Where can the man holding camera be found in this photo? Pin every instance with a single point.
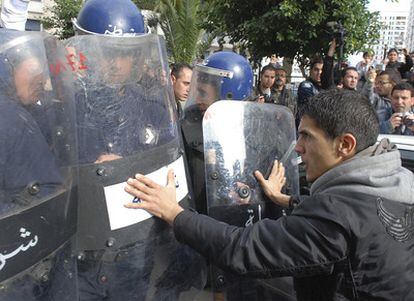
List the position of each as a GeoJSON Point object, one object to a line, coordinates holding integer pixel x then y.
{"type": "Point", "coordinates": [400, 118]}
{"type": "Point", "coordinates": [264, 89]}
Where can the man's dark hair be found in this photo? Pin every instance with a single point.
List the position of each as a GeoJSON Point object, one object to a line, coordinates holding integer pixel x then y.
{"type": "Point", "coordinates": [392, 50]}
{"type": "Point", "coordinates": [178, 67]}
{"type": "Point", "coordinates": [344, 71]}
{"type": "Point", "coordinates": [268, 67]}
{"type": "Point", "coordinates": [367, 54]}
{"type": "Point", "coordinates": [280, 69]}
{"type": "Point", "coordinates": [338, 112]}
{"type": "Point", "coordinates": [403, 86]}
{"type": "Point", "coordinates": [393, 75]}
{"type": "Point", "coordinates": [314, 61]}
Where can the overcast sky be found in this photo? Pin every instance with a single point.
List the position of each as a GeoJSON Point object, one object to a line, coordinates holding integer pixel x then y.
{"type": "Point", "coordinates": [378, 5]}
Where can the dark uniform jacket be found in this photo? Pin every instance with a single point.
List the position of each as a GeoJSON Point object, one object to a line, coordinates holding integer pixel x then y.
{"type": "Point", "coordinates": [352, 239]}
{"type": "Point", "coordinates": [192, 129]}
{"type": "Point", "coordinates": [403, 68]}
{"type": "Point", "coordinates": [306, 90]}
{"type": "Point", "coordinates": [284, 98]}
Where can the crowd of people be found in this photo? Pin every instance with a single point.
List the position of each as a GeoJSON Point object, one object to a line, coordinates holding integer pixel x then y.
{"type": "Point", "coordinates": [376, 82]}
{"type": "Point", "coordinates": [92, 126]}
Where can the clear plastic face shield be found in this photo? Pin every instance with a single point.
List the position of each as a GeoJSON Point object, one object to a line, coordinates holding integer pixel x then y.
{"type": "Point", "coordinates": [126, 124]}
{"type": "Point", "coordinates": [26, 70]}
{"type": "Point", "coordinates": [38, 153]}
{"type": "Point", "coordinates": [30, 88]}
{"type": "Point", "coordinates": [124, 102]}
{"type": "Point", "coordinates": [205, 88]}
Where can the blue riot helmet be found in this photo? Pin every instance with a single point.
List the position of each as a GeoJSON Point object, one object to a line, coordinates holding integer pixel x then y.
{"type": "Point", "coordinates": [237, 74]}
{"type": "Point", "coordinates": [222, 76]}
{"type": "Point", "coordinates": [110, 17]}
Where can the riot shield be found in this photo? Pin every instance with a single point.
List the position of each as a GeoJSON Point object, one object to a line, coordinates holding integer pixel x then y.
{"type": "Point", "coordinates": [205, 89]}
{"type": "Point", "coordinates": [240, 138]}
{"type": "Point", "coordinates": [37, 155]}
{"type": "Point", "coordinates": [126, 124]}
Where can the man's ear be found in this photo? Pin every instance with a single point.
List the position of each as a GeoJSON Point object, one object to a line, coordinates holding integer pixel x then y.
{"type": "Point", "coordinates": [173, 78]}
{"type": "Point", "coordinates": [346, 146]}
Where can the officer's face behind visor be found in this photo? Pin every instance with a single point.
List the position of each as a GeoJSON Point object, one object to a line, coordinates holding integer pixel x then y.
{"type": "Point", "coordinates": [29, 80]}
{"type": "Point", "coordinates": [119, 62]}
{"type": "Point", "coordinates": [118, 70]}
{"type": "Point", "coordinates": [207, 90]}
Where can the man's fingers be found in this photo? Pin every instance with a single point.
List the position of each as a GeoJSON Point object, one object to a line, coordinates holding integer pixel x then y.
{"type": "Point", "coordinates": [134, 205]}
{"type": "Point", "coordinates": [259, 177]}
{"type": "Point", "coordinates": [143, 205]}
{"type": "Point", "coordinates": [147, 181]}
{"type": "Point", "coordinates": [137, 185]}
{"type": "Point", "coordinates": [281, 170]}
{"type": "Point", "coordinates": [275, 168]}
{"type": "Point", "coordinates": [170, 178]}
{"type": "Point", "coordinates": [139, 195]}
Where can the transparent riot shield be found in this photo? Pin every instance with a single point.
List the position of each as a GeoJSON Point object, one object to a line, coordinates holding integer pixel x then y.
{"type": "Point", "coordinates": [205, 89]}
{"type": "Point", "coordinates": [37, 174]}
{"type": "Point", "coordinates": [126, 124]}
{"type": "Point", "coordinates": [240, 138]}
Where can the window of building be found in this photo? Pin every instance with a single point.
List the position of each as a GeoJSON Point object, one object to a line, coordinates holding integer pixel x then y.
{"type": "Point", "coordinates": [33, 25]}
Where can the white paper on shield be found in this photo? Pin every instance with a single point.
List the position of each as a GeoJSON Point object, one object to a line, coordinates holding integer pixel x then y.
{"type": "Point", "coordinates": [116, 197]}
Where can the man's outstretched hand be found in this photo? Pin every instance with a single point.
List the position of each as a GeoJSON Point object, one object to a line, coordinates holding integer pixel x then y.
{"type": "Point", "coordinates": [156, 199]}
{"type": "Point", "coordinates": [273, 185]}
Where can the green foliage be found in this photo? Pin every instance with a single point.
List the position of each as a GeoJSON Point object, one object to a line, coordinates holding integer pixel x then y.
{"type": "Point", "coordinates": [146, 4]}
{"type": "Point", "coordinates": [179, 19]}
{"type": "Point", "coordinates": [292, 28]}
{"type": "Point", "coordinates": [61, 14]}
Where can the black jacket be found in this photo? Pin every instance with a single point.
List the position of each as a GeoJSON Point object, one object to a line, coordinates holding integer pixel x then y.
{"type": "Point", "coordinates": [401, 67]}
{"type": "Point", "coordinates": [338, 246]}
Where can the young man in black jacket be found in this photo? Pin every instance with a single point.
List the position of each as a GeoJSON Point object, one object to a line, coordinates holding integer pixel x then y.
{"type": "Point", "coordinates": [351, 239]}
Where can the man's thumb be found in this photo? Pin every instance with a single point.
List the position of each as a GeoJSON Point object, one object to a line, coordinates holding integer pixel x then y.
{"type": "Point", "coordinates": [171, 178]}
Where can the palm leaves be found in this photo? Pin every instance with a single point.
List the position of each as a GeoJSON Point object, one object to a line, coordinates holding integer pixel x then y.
{"type": "Point", "coordinates": [179, 19]}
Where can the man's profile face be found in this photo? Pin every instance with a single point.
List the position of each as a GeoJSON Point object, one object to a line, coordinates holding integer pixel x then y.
{"type": "Point", "coordinates": [206, 95]}
{"type": "Point", "coordinates": [315, 72]}
{"type": "Point", "coordinates": [393, 57]}
{"type": "Point", "coordinates": [402, 101]}
{"type": "Point", "coordinates": [318, 152]}
{"type": "Point", "coordinates": [267, 79]}
{"type": "Point", "coordinates": [181, 84]}
{"type": "Point", "coordinates": [383, 85]}
{"type": "Point", "coordinates": [350, 80]}
{"type": "Point", "coordinates": [29, 81]}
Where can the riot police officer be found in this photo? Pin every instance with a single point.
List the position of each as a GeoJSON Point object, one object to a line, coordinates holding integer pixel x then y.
{"type": "Point", "coordinates": [126, 124]}
{"type": "Point", "coordinates": [223, 75]}
{"type": "Point", "coordinates": [37, 204]}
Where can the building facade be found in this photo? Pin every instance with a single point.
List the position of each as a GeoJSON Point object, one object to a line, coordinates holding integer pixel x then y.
{"type": "Point", "coordinates": [393, 33]}
{"type": "Point", "coordinates": [410, 29]}
{"type": "Point", "coordinates": [37, 10]}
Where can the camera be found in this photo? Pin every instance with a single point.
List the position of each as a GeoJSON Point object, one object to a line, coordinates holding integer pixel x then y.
{"type": "Point", "coordinates": [407, 121]}
{"type": "Point", "coordinates": [337, 31]}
